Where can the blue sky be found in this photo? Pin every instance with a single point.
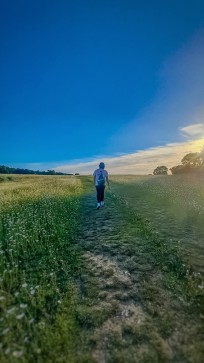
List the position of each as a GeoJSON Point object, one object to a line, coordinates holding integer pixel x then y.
{"type": "Point", "coordinates": [84, 79]}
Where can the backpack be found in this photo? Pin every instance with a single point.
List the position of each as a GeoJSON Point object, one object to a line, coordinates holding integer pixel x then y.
{"type": "Point", "coordinates": [101, 179]}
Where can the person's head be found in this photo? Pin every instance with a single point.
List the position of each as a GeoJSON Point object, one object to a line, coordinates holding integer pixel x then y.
{"type": "Point", "coordinates": [102, 165]}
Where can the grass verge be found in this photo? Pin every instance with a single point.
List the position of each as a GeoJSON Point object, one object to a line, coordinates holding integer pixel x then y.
{"type": "Point", "coordinates": [179, 276]}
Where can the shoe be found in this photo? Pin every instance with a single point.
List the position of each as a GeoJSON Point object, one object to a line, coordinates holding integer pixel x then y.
{"type": "Point", "coordinates": [102, 204]}
{"type": "Point", "coordinates": [98, 206]}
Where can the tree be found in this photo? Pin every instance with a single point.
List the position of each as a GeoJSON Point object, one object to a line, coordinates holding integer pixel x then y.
{"type": "Point", "coordinates": [4, 169]}
{"type": "Point", "coordinates": [7, 170]}
{"type": "Point", "coordinates": [161, 170]}
{"type": "Point", "coordinates": [192, 159]}
{"type": "Point", "coordinates": [51, 172]}
{"type": "Point", "coordinates": [180, 169]}
{"type": "Point", "coordinates": [202, 155]}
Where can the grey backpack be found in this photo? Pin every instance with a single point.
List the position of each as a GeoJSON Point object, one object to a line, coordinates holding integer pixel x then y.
{"type": "Point", "coordinates": [101, 179]}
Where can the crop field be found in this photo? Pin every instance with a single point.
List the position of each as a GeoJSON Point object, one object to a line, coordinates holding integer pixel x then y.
{"type": "Point", "coordinates": [123, 284]}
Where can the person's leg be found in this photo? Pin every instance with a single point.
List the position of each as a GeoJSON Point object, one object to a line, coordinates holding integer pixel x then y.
{"type": "Point", "coordinates": [102, 193]}
{"type": "Point", "coordinates": [98, 194]}
{"type": "Point", "coordinates": [98, 197]}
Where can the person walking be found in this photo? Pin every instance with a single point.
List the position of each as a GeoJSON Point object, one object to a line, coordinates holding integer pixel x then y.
{"type": "Point", "coordinates": [100, 178]}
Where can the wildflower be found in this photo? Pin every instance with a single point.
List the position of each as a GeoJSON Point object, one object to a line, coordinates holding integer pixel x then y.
{"type": "Point", "coordinates": [41, 324]}
{"type": "Point", "coordinates": [31, 321]}
{"type": "Point", "coordinates": [23, 306]}
{"type": "Point", "coordinates": [17, 353]}
{"type": "Point", "coordinates": [20, 316]}
{"type": "Point", "coordinates": [7, 351]}
{"type": "Point", "coordinates": [2, 298]}
{"type": "Point", "coordinates": [5, 331]}
{"type": "Point", "coordinates": [25, 285]}
{"type": "Point", "coordinates": [11, 310]}
{"type": "Point", "coordinates": [16, 293]}
{"type": "Point", "coordinates": [32, 292]}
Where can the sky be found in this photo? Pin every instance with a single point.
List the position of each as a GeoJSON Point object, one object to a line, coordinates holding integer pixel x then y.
{"type": "Point", "coordinates": [89, 81]}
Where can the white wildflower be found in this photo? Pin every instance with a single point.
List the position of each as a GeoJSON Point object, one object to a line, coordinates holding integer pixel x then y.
{"type": "Point", "coordinates": [25, 285]}
{"type": "Point", "coordinates": [41, 324]}
{"type": "Point", "coordinates": [23, 306]}
{"type": "Point", "coordinates": [20, 316]}
{"type": "Point", "coordinates": [5, 331]}
{"type": "Point", "coordinates": [17, 353]}
{"type": "Point", "coordinates": [11, 310]}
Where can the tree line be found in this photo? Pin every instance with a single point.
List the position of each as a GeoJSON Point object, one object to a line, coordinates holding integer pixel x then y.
{"type": "Point", "coordinates": [7, 170]}
{"type": "Point", "coordinates": [190, 163]}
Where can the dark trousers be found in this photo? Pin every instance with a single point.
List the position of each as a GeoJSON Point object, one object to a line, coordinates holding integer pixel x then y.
{"type": "Point", "coordinates": [100, 193]}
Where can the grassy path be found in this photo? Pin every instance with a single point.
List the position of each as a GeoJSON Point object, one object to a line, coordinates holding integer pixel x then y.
{"type": "Point", "coordinates": [133, 308]}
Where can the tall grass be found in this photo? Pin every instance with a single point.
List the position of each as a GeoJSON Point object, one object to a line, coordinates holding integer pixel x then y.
{"type": "Point", "coordinates": [38, 264]}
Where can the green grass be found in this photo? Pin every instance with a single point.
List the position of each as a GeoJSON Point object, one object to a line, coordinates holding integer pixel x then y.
{"type": "Point", "coordinates": [64, 270]}
{"type": "Point", "coordinates": [172, 292]}
{"type": "Point", "coordinates": [40, 263]}
{"type": "Point", "coordinates": [173, 205]}
{"type": "Point", "coordinates": [166, 193]}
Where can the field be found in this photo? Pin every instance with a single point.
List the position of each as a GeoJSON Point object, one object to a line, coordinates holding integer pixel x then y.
{"type": "Point", "coordinates": [175, 207]}
{"type": "Point", "coordinates": [122, 284]}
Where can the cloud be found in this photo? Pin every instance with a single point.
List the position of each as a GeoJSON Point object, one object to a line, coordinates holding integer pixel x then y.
{"type": "Point", "coordinates": [196, 130]}
{"type": "Point", "coordinates": [139, 162]}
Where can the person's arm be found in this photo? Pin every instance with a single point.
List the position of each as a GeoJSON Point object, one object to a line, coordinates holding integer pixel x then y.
{"type": "Point", "coordinates": [107, 179]}
{"type": "Point", "coordinates": [94, 178]}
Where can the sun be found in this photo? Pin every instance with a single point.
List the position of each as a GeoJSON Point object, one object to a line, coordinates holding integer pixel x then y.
{"type": "Point", "coordinates": [197, 145]}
